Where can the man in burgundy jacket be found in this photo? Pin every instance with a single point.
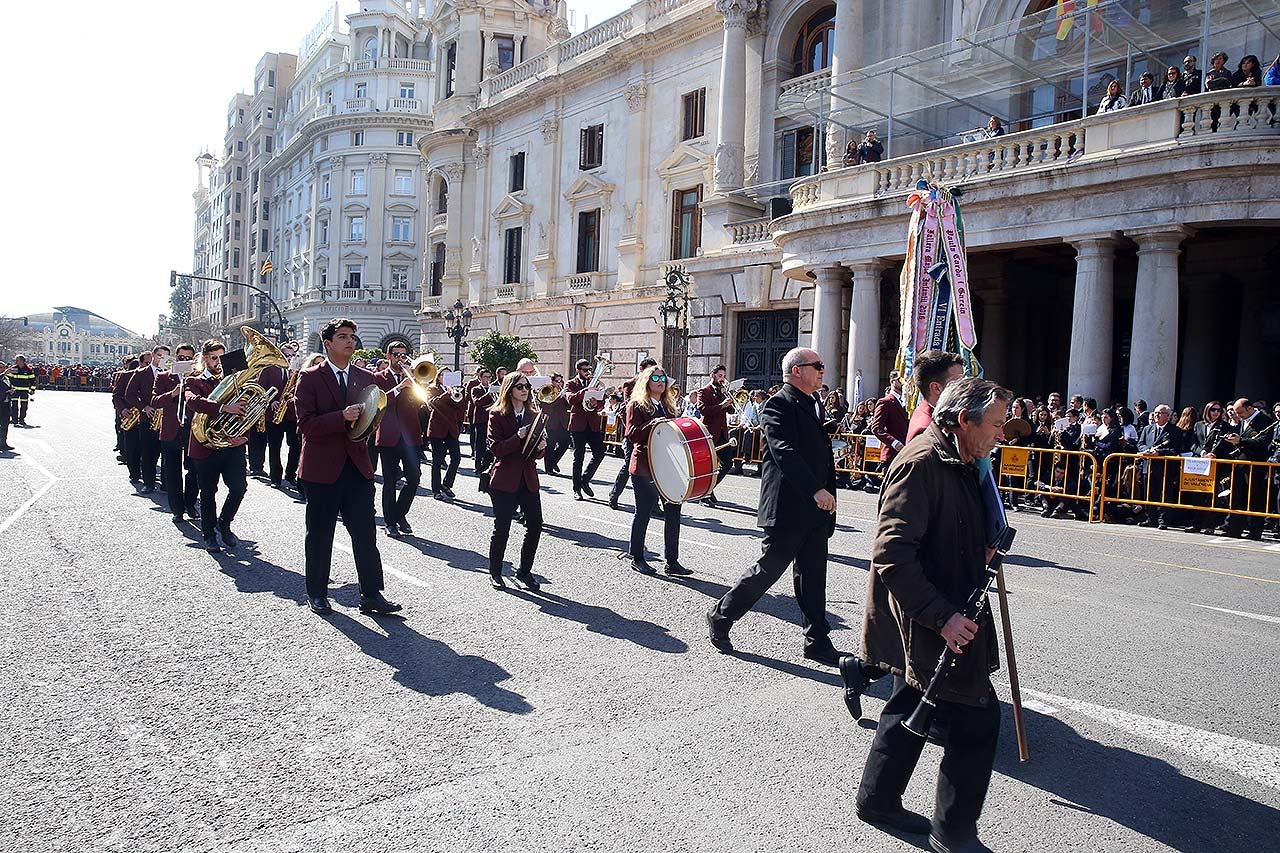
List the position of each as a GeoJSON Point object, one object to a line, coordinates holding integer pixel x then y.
{"type": "Point", "coordinates": [557, 413]}
{"type": "Point", "coordinates": [142, 441]}
{"type": "Point", "coordinates": [398, 440]}
{"type": "Point", "coordinates": [337, 470]}
{"type": "Point", "coordinates": [174, 435]}
{"type": "Point", "coordinates": [586, 429]}
{"type": "Point", "coordinates": [715, 404]}
{"type": "Point", "coordinates": [444, 432]}
{"type": "Point", "coordinates": [933, 370]}
{"type": "Point", "coordinates": [212, 464]}
{"type": "Point", "coordinates": [889, 421]}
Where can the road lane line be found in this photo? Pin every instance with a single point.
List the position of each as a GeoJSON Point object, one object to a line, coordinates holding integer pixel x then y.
{"type": "Point", "coordinates": [31, 501]}
{"type": "Point", "coordinates": [1039, 707]}
{"type": "Point", "coordinates": [1254, 761]}
{"type": "Point", "coordinates": [683, 541]}
{"type": "Point", "coordinates": [1261, 617]}
{"type": "Point", "coordinates": [1133, 559]}
{"type": "Point", "coordinates": [407, 578]}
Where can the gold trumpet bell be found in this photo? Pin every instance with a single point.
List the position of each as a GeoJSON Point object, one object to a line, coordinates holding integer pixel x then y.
{"type": "Point", "coordinates": [423, 369]}
{"type": "Point", "coordinates": [548, 394]}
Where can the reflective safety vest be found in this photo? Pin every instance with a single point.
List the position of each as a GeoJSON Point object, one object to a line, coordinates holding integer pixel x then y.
{"type": "Point", "coordinates": [23, 381]}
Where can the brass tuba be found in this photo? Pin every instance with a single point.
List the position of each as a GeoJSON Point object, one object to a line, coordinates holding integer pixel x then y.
{"type": "Point", "coordinates": [219, 431]}
{"type": "Point", "coordinates": [603, 366]}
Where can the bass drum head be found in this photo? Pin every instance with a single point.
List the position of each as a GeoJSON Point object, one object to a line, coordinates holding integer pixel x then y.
{"type": "Point", "coordinates": [669, 462]}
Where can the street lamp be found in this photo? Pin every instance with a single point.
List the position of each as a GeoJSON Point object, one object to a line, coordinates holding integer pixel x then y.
{"type": "Point", "coordinates": [674, 311]}
{"type": "Point", "coordinates": [457, 322]}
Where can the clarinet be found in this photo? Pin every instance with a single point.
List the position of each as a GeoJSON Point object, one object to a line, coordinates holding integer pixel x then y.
{"type": "Point", "coordinates": [920, 719]}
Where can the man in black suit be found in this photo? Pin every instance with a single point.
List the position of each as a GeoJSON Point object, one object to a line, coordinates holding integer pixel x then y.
{"type": "Point", "coordinates": [797, 510]}
{"type": "Point", "coordinates": [1146, 91]}
{"type": "Point", "coordinates": [1252, 444]}
{"type": "Point", "coordinates": [1161, 437]}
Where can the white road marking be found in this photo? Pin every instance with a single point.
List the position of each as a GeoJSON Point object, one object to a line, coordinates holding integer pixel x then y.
{"type": "Point", "coordinates": [407, 578]}
{"type": "Point", "coordinates": [1254, 761]}
{"type": "Point", "coordinates": [40, 443]}
{"type": "Point", "coordinates": [31, 501]}
{"type": "Point", "coordinates": [1261, 617]}
{"type": "Point", "coordinates": [1271, 548]}
{"type": "Point", "coordinates": [341, 546]}
{"type": "Point", "coordinates": [683, 541]}
{"type": "Point", "coordinates": [1039, 707]}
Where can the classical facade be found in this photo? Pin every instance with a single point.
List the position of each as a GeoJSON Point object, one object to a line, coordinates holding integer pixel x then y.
{"type": "Point", "coordinates": [69, 335]}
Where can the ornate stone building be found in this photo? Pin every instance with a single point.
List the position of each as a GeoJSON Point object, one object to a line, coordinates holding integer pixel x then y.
{"type": "Point", "coordinates": [69, 335]}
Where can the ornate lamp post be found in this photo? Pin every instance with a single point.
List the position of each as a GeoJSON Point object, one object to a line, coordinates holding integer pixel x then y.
{"type": "Point", "coordinates": [457, 322]}
{"type": "Point", "coordinates": [674, 313]}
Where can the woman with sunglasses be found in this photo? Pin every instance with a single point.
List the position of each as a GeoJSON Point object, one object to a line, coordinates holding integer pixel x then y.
{"type": "Point", "coordinates": [652, 399]}
{"type": "Point", "coordinates": [513, 481]}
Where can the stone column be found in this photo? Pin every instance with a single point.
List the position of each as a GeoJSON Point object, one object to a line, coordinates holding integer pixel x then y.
{"type": "Point", "coordinates": [864, 329]}
{"type": "Point", "coordinates": [846, 56]}
{"type": "Point", "coordinates": [732, 117]}
{"type": "Point", "coordinates": [1153, 354]}
{"type": "Point", "coordinates": [825, 339]}
{"type": "Point", "coordinates": [1092, 318]}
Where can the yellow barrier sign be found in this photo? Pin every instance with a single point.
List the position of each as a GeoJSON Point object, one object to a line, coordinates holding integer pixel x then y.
{"type": "Point", "coordinates": [1014, 461]}
{"type": "Point", "coordinates": [872, 453]}
{"type": "Point", "coordinates": [1197, 475]}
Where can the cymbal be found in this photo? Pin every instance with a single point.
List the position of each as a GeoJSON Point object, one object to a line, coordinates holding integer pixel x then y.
{"type": "Point", "coordinates": [1017, 428]}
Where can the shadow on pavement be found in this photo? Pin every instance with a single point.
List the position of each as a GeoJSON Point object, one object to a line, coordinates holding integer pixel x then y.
{"type": "Point", "coordinates": [1037, 563]}
{"type": "Point", "coordinates": [602, 620]}
{"type": "Point", "coordinates": [458, 558]}
{"type": "Point", "coordinates": [777, 606]}
{"type": "Point", "coordinates": [588, 538]}
{"type": "Point", "coordinates": [1176, 810]}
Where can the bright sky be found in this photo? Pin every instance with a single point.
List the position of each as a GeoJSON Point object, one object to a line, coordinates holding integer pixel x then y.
{"type": "Point", "coordinates": [107, 116]}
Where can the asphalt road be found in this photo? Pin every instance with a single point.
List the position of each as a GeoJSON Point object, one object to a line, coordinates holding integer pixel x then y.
{"type": "Point", "coordinates": [157, 698]}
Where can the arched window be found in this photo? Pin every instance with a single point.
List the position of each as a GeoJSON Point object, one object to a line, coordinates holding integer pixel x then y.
{"type": "Point", "coordinates": [442, 197]}
{"type": "Point", "coordinates": [371, 48]}
{"type": "Point", "coordinates": [812, 50]}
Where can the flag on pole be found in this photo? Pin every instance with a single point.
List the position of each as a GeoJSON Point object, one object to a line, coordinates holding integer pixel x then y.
{"type": "Point", "coordinates": [266, 267]}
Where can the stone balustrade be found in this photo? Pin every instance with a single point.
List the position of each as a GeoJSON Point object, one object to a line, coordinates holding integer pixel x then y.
{"type": "Point", "coordinates": [364, 65]}
{"type": "Point", "coordinates": [504, 292]}
{"type": "Point", "coordinates": [326, 110]}
{"type": "Point", "coordinates": [583, 282]}
{"type": "Point", "coordinates": [517, 75]}
{"type": "Point", "coordinates": [404, 105]}
{"type": "Point", "coordinates": [395, 295]}
{"type": "Point", "coordinates": [750, 231]}
{"type": "Point", "coordinates": [615, 27]}
{"type": "Point", "coordinates": [400, 64]}
{"type": "Point", "coordinates": [350, 294]}
{"type": "Point", "coordinates": [797, 88]}
{"type": "Point", "coordinates": [358, 105]}
{"type": "Point", "coordinates": [666, 7]}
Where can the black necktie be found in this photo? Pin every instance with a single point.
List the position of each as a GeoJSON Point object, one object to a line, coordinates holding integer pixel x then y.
{"type": "Point", "coordinates": [342, 384]}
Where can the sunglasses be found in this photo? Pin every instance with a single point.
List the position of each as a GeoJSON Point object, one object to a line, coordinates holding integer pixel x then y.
{"type": "Point", "coordinates": [657, 377]}
{"type": "Point", "coordinates": [1215, 408]}
{"type": "Point", "coordinates": [816, 365]}
{"type": "Point", "coordinates": [521, 386]}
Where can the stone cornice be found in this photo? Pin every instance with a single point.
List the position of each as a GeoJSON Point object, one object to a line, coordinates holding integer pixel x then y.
{"type": "Point", "coordinates": [303, 139]}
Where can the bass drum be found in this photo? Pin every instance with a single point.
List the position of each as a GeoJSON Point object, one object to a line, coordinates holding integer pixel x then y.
{"type": "Point", "coordinates": [683, 460]}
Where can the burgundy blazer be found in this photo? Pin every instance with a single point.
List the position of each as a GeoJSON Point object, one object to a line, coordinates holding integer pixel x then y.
{"type": "Point", "coordinates": [400, 423]}
{"type": "Point", "coordinates": [164, 395]}
{"type": "Point", "coordinates": [137, 394]}
{"type": "Point", "coordinates": [469, 397]}
{"type": "Point", "coordinates": [889, 422]}
{"type": "Point", "coordinates": [639, 425]}
{"type": "Point", "coordinates": [580, 420]}
{"type": "Point", "coordinates": [481, 400]}
{"type": "Point", "coordinates": [325, 445]}
{"type": "Point", "coordinates": [715, 407]}
{"type": "Point", "coordinates": [120, 384]}
{"type": "Point", "coordinates": [509, 464]}
{"type": "Point", "coordinates": [557, 413]}
{"type": "Point", "coordinates": [201, 404]}
{"type": "Point", "coordinates": [446, 417]}
{"type": "Point", "coordinates": [920, 419]}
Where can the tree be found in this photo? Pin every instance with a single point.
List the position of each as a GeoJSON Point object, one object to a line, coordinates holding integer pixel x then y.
{"type": "Point", "coordinates": [494, 350]}
{"type": "Point", "coordinates": [369, 353]}
{"type": "Point", "coordinates": [180, 302]}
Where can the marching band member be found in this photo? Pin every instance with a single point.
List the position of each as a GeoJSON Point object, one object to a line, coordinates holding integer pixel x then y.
{"type": "Point", "coordinates": [120, 384]}
{"type": "Point", "coordinates": [397, 442]}
{"type": "Point", "coordinates": [444, 429]}
{"type": "Point", "coordinates": [514, 482]}
{"type": "Point", "coordinates": [620, 483]}
{"type": "Point", "coordinates": [336, 470]}
{"type": "Point", "coordinates": [180, 487]}
{"type": "Point", "coordinates": [144, 442]}
{"type": "Point", "coordinates": [586, 429]}
{"type": "Point", "coordinates": [651, 400]}
{"type": "Point", "coordinates": [276, 434]}
{"type": "Point", "coordinates": [227, 463]}
{"type": "Point", "coordinates": [715, 403]}
{"type": "Point", "coordinates": [528, 367]}
{"type": "Point", "coordinates": [557, 412]}
{"type": "Point", "coordinates": [482, 397]}
{"type": "Point", "coordinates": [479, 380]}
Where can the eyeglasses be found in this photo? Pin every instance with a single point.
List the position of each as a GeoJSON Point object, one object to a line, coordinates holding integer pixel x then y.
{"type": "Point", "coordinates": [521, 386]}
{"type": "Point", "coordinates": [1215, 408]}
{"type": "Point", "coordinates": [657, 377]}
{"type": "Point", "coordinates": [816, 365]}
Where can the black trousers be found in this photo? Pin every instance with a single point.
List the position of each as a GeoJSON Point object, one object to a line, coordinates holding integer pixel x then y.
{"type": "Point", "coordinates": [142, 451]}
{"type": "Point", "coordinates": [480, 455]}
{"type": "Point", "coordinates": [257, 449]}
{"type": "Point", "coordinates": [440, 447]}
{"type": "Point", "coordinates": [581, 441]}
{"type": "Point", "coordinates": [557, 445]}
{"type": "Point", "coordinates": [277, 435]}
{"type": "Point", "coordinates": [504, 509]}
{"type": "Point", "coordinates": [351, 495]}
{"type": "Point", "coordinates": [1249, 487]}
{"type": "Point", "coordinates": [397, 461]}
{"type": "Point", "coordinates": [132, 450]}
{"type": "Point", "coordinates": [646, 504]}
{"type": "Point", "coordinates": [725, 455]}
{"type": "Point", "coordinates": [624, 473]}
{"type": "Point", "coordinates": [229, 465]}
{"type": "Point", "coordinates": [180, 486]}
{"type": "Point", "coordinates": [969, 733]}
{"type": "Point", "coordinates": [18, 407]}
{"type": "Point", "coordinates": [4, 425]}
{"type": "Point", "coordinates": [782, 546]}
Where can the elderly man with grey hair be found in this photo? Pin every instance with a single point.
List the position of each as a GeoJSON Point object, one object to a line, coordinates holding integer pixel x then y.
{"type": "Point", "coordinates": [929, 554]}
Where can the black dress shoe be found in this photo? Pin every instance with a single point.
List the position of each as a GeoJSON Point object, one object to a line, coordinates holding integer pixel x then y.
{"type": "Point", "coordinates": [855, 683]}
{"type": "Point", "coordinates": [1163, 525]}
{"type": "Point", "coordinates": [613, 502]}
{"type": "Point", "coordinates": [319, 605]}
{"type": "Point", "coordinates": [528, 581]}
{"type": "Point", "coordinates": [586, 489]}
{"type": "Point", "coordinates": [192, 512]}
{"type": "Point", "coordinates": [1256, 537]}
{"type": "Point", "coordinates": [228, 538]}
{"type": "Point", "coordinates": [719, 634]}
{"type": "Point", "coordinates": [900, 819]}
{"type": "Point", "coordinates": [710, 500]}
{"type": "Point", "coordinates": [178, 519]}
{"type": "Point", "coordinates": [404, 527]}
{"type": "Point", "coordinates": [942, 844]}
{"type": "Point", "coordinates": [441, 496]}
{"type": "Point", "coordinates": [147, 490]}
{"type": "Point", "coordinates": [392, 529]}
{"type": "Point", "coordinates": [378, 604]}
{"type": "Point", "coordinates": [577, 494]}
{"type": "Point", "coordinates": [673, 567]}
{"type": "Point", "coordinates": [211, 544]}
{"type": "Point", "coordinates": [639, 564]}
{"type": "Point", "coordinates": [448, 491]}
{"type": "Point", "coordinates": [826, 655]}
{"type": "Point", "coordinates": [495, 581]}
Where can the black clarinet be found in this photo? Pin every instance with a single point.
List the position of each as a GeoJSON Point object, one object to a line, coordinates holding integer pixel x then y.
{"type": "Point", "coordinates": [921, 718]}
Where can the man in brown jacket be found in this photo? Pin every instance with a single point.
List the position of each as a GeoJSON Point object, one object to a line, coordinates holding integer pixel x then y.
{"type": "Point", "coordinates": [930, 551]}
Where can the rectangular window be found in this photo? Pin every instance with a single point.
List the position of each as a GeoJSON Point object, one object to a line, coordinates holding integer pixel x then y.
{"type": "Point", "coordinates": [797, 153]}
{"type": "Point", "coordinates": [356, 231]}
{"type": "Point", "coordinates": [404, 182]}
{"type": "Point", "coordinates": [324, 232]}
{"type": "Point", "coordinates": [399, 278]}
{"type": "Point", "coordinates": [517, 172]}
{"type": "Point", "coordinates": [324, 279]}
{"type": "Point", "coordinates": [357, 181]}
{"type": "Point", "coordinates": [264, 240]}
{"type": "Point", "coordinates": [401, 228]}
{"type": "Point", "coordinates": [253, 242]}
{"type": "Point", "coordinates": [437, 270]}
{"type": "Point", "coordinates": [357, 137]}
{"type": "Point", "coordinates": [450, 68]}
{"type": "Point", "coordinates": [325, 187]}
{"type": "Point", "coordinates": [362, 90]}
{"type": "Point", "coordinates": [237, 202]}
{"type": "Point", "coordinates": [239, 173]}
{"type": "Point", "coordinates": [266, 208]}
{"type": "Point", "coordinates": [237, 229]}
{"type": "Point", "coordinates": [407, 90]}
{"type": "Point", "coordinates": [269, 144]}
{"type": "Point", "coordinates": [254, 182]}
{"type": "Point", "coordinates": [506, 47]}
{"type": "Point", "coordinates": [695, 114]}
{"type": "Point", "coordinates": [591, 147]}
{"type": "Point", "coordinates": [354, 275]}
{"type": "Point", "coordinates": [583, 345]}
{"type": "Point", "coordinates": [686, 223]}
{"type": "Point", "coordinates": [235, 258]}
{"type": "Point", "coordinates": [404, 137]}
{"type": "Point", "coordinates": [588, 241]}
{"type": "Point", "coordinates": [271, 78]}
{"type": "Point", "coordinates": [511, 260]}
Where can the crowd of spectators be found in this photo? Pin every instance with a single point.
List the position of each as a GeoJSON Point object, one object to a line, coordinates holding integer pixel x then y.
{"type": "Point", "coordinates": [74, 377]}
{"type": "Point", "coordinates": [1188, 80]}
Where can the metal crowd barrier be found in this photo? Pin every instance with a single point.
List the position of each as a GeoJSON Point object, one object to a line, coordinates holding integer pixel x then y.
{"type": "Point", "coordinates": [750, 447]}
{"type": "Point", "coordinates": [613, 436]}
{"type": "Point", "coordinates": [1064, 478]}
{"type": "Point", "coordinates": [73, 383]}
{"type": "Point", "coordinates": [856, 454]}
{"type": "Point", "coordinates": [1201, 486]}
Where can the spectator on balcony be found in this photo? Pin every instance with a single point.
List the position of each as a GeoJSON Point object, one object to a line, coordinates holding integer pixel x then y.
{"type": "Point", "coordinates": [1248, 73]}
{"type": "Point", "coordinates": [1218, 77]}
{"type": "Point", "coordinates": [1190, 76]}
{"type": "Point", "coordinates": [870, 150]}
{"type": "Point", "coordinates": [1273, 73]}
{"type": "Point", "coordinates": [1113, 100]}
{"type": "Point", "coordinates": [1146, 91]}
{"type": "Point", "coordinates": [1172, 87]}
{"type": "Point", "coordinates": [994, 127]}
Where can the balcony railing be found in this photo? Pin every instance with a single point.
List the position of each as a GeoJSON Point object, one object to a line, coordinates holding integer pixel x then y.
{"type": "Point", "coordinates": [398, 64]}
{"type": "Point", "coordinates": [518, 74]}
{"type": "Point", "coordinates": [332, 71]}
{"type": "Point", "coordinates": [358, 105]}
{"type": "Point", "coordinates": [326, 110]}
{"type": "Point", "coordinates": [395, 295]}
{"type": "Point", "coordinates": [583, 282]}
{"type": "Point", "coordinates": [750, 231]}
{"type": "Point", "coordinates": [797, 87]}
{"type": "Point", "coordinates": [404, 105]}
{"type": "Point", "coordinates": [504, 292]}
{"type": "Point", "coordinates": [364, 65]}
{"type": "Point", "coordinates": [351, 294]}
{"type": "Point", "coordinates": [439, 222]}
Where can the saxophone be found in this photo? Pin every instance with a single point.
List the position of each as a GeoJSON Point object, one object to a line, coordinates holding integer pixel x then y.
{"type": "Point", "coordinates": [129, 419]}
{"type": "Point", "coordinates": [157, 418]}
{"type": "Point", "coordinates": [220, 431]}
{"type": "Point", "coordinates": [286, 397]}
